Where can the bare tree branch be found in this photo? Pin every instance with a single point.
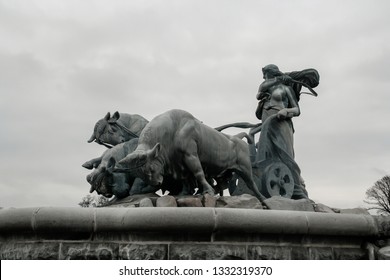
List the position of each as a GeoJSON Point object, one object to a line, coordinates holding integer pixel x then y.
{"type": "Point", "coordinates": [379, 196]}
{"type": "Point", "coordinates": [93, 201]}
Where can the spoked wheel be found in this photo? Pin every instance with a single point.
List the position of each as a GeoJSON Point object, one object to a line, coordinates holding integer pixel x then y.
{"type": "Point", "coordinates": [273, 178]}
{"type": "Point", "coordinates": [277, 180]}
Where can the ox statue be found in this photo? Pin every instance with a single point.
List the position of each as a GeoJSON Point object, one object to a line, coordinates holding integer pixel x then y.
{"type": "Point", "coordinates": [177, 145]}
{"type": "Point", "coordinates": [118, 128]}
{"type": "Point", "coordinates": [107, 183]}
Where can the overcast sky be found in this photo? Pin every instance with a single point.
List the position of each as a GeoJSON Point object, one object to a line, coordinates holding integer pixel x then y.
{"type": "Point", "coordinates": [65, 64]}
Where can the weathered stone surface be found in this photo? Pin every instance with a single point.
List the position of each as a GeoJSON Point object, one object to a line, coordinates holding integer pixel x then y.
{"type": "Point", "coordinates": [134, 200]}
{"type": "Point", "coordinates": [146, 202]}
{"type": "Point", "coordinates": [226, 232]}
{"type": "Point", "coordinates": [319, 241]}
{"type": "Point", "coordinates": [242, 201]}
{"type": "Point", "coordinates": [166, 201]}
{"type": "Point", "coordinates": [14, 219]}
{"type": "Point", "coordinates": [350, 254]}
{"type": "Point", "coordinates": [252, 220]}
{"type": "Point", "coordinates": [384, 253]}
{"type": "Point", "coordinates": [257, 252]}
{"type": "Point", "coordinates": [149, 219]}
{"type": "Point", "coordinates": [89, 251]}
{"type": "Point", "coordinates": [209, 201]}
{"type": "Point", "coordinates": [300, 253]}
{"type": "Point", "coordinates": [143, 251]}
{"type": "Point", "coordinates": [29, 251]}
{"type": "Point", "coordinates": [281, 203]}
{"type": "Point", "coordinates": [132, 237]}
{"type": "Point", "coordinates": [319, 207]}
{"type": "Point", "coordinates": [341, 225]}
{"type": "Point", "coordinates": [124, 205]}
{"type": "Point", "coordinates": [321, 253]}
{"type": "Point", "coordinates": [359, 211]}
{"type": "Point", "coordinates": [206, 252]}
{"type": "Point", "coordinates": [191, 201]}
{"type": "Point", "coordinates": [58, 219]}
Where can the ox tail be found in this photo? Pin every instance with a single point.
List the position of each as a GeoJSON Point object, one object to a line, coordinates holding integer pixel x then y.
{"type": "Point", "coordinates": [242, 135]}
{"type": "Point", "coordinates": [238, 125]}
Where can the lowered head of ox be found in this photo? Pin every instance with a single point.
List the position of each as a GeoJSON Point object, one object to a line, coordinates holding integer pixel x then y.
{"type": "Point", "coordinates": [144, 164]}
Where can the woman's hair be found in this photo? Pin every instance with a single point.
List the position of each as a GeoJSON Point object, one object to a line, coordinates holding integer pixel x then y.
{"type": "Point", "coordinates": [272, 69]}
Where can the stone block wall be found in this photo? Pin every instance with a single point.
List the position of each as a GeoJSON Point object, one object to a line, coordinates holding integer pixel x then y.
{"type": "Point", "coordinates": [188, 233]}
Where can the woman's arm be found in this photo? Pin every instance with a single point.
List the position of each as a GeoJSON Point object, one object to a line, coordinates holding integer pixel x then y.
{"type": "Point", "coordinates": [267, 84]}
{"type": "Point", "coordinates": [293, 110]}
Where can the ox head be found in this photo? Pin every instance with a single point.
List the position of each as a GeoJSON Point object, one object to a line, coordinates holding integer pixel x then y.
{"type": "Point", "coordinates": [146, 165]}
{"type": "Point", "coordinates": [107, 132]}
{"type": "Point", "coordinates": [107, 183]}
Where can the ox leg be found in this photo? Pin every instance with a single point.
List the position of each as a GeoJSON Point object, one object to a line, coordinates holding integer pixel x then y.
{"type": "Point", "coordinates": [251, 184]}
{"type": "Point", "coordinates": [221, 186]}
{"type": "Point", "coordinates": [193, 164]}
{"type": "Point", "coordinates": [188, 188]}
{"type": "Point", "coordinates": [244, 169]}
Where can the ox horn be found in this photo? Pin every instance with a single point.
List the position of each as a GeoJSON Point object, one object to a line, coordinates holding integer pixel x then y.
{"type": "Point", "coordinates": [92, 189]}
{"type": "Point", "coordinates": [93, 138]}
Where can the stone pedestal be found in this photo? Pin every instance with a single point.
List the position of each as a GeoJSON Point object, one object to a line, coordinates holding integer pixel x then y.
{"type": "Point", "coordinates": [189, 233]}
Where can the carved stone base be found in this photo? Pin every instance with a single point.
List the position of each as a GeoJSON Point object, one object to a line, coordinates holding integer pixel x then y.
{"type": "Point", "coordinates": [186, 233]}
{"type": "Point", "coordinates": [244, 201]}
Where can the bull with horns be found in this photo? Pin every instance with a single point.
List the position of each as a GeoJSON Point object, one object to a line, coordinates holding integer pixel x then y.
{"type": "Point", "coordinates": [117, 129]}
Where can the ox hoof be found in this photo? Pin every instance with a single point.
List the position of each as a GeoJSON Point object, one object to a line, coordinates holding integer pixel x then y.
{"type": "Point", "coordinates": [209, 192]}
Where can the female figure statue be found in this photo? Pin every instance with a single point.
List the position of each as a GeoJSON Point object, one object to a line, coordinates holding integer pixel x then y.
{"type": "Point", "coordinates": [278, 103]}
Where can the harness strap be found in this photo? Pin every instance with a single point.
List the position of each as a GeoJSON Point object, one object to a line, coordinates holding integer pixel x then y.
{"type": "Point", "coordinates": [127, 130]}
{"type": "Point", "coordinates": [132, 134]}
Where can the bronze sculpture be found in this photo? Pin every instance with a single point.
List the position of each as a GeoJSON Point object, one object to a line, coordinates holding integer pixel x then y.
{"type": "Point", "coordinates": [177, 145]}
{"type": "Point", "coordinates": [116, 129]}
{"type": "Point", "coordinates": [278, 97]}
{"type": "Point", "coordinates": [108, 183]}
{"type": "Point", "coordinates": [178, 153]}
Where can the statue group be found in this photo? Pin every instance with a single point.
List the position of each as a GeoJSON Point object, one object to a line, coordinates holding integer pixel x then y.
{"type": "Point", "coordinates": [175, 152]}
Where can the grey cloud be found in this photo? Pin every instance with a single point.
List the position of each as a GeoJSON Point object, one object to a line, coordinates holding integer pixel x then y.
{"type": "Point", "coordinates": [62, 68]}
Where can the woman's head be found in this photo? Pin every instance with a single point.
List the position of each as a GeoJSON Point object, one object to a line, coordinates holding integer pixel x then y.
{"type": "Point", "coordinates": [270, 71]}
